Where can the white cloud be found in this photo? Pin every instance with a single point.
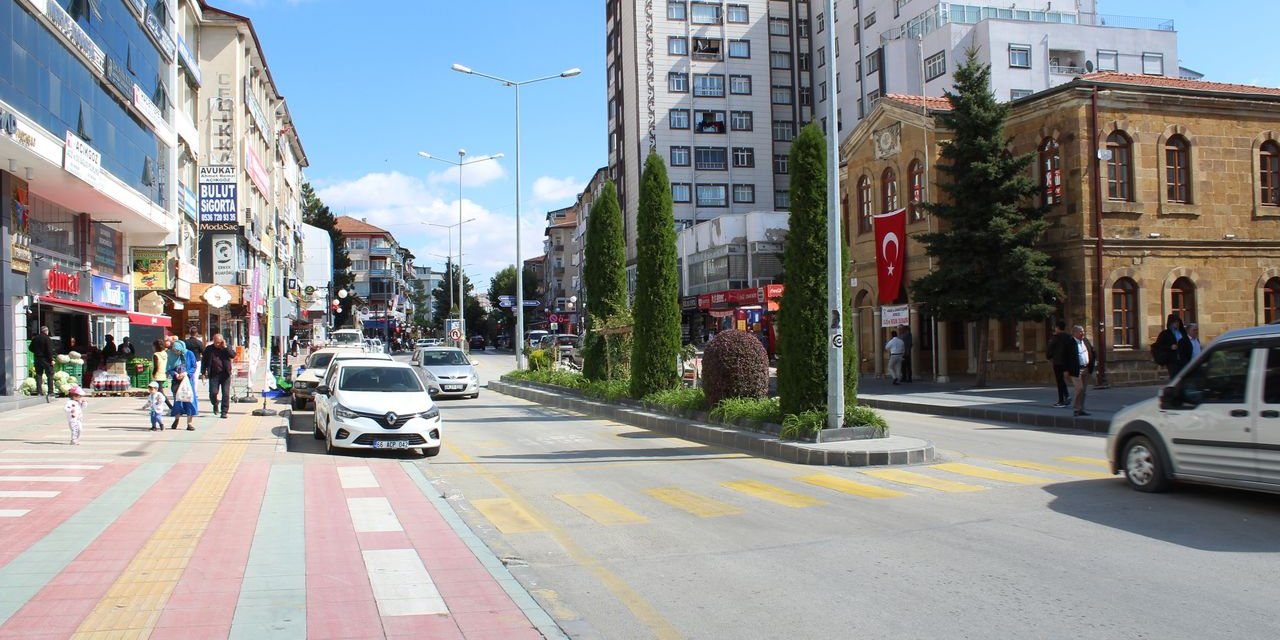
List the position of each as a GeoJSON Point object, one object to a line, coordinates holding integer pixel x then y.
{"type": "Point", "coordinates": [550, 191]}
{"type": "Point", "coordinates": [473, 175]}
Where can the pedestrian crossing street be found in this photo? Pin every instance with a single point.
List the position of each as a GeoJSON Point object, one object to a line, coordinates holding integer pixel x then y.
{"type": "Point", "coordinates": [811, 490]}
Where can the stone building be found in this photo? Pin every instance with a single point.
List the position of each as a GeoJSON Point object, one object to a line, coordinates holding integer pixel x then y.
{"type": "Point", "coordinates": [1163, 196]}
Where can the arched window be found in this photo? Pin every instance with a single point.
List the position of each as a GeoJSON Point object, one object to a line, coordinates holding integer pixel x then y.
{"type": "Point", "coordinates": [864, 204]}
{"type": "Point", "coordinates": [1050, 173]}
{"type": "Point", "coordinates": [1182, 299]}
{"type": "Point", "coordinates": [1124, 313]}
{"type": "Point", "coordinates": [1271, 301]}
{"type": "Point", "coordinates": [1120, 167]}
{"type": "Point", "coordinates": [1177, 169]}
{"type": "Point", "coordinates": [1269, 180]}
{"type": "Point", "coordinates": [916, 173]}
{"type": "Point", "coordinates": [888, 190]}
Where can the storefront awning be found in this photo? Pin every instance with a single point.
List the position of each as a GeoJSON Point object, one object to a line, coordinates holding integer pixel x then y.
{"type": "Point", "coordinates": [150, 320]}
{"type": "Point", "coordinates": [84, 307]}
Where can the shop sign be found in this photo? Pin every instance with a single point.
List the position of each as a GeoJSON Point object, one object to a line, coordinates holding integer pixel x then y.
{"type": "Point", "coordinates": [82, 160]}
{"type": "Point", "coordinates": [217, 199]}
{"type": "Point", "coordinates": [119, 77]}
{"type": "Point", "coordinates": [20, 230]}
{"type": "Point", "coordinates": [257, 172]}
{"type": "Point", "coordinates": [149, 110]}
{"type": "Point", "coordinates": [110, 293]}
{"type": "Point", "coordinates": [225, 259]}
{"type": "Point", "coordinates": [66, 25]}
{"type": "Point", "coordinates": [106, 247]}
{"type": "Point", "coordinates": [162, 36]}
{"type": "Point", "coordinates": [704, 301]}
{"type": "Point", "coordinates": [771, 296]}
{"type": "Point", "coordinates": [251, 101]}
{"type": "Point", "coordinates": [61, 282]}
{"type": "Point", "coordinates": [222, 120]}
{"type": "Point", "coordinates": [188, 271]}
{"type": "Point", "coordinates": [898, 315]}
{"type": "Point", "coordinates": [8, 123]}
{"type": "Point", "coordinates": [181, 289]}
{"type": "Point", "coordinates": [188, 60]}
{"type": "Point", "coordinates": [688, 303]}
{"type": "Point", "coordinates": [190, 205]}
{"type": "Point", "coordinates": [150, 268]}
{"type": "Point", "coordinates": [217, 297]}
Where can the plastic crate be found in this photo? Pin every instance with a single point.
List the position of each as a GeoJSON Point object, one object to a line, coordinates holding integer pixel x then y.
{"type": "Point", "coordinates": [74, 370]}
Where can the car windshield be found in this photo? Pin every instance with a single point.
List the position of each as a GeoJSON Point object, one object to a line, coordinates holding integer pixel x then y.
{"type": "Point", "coordinates": [373, 378]}
{"type": "Point", "coordinates": [347, 338]}
{"type": "Point", "coordinates": [443, 358]}
{"type": "Point", "coordinates": [567, 340]}
{"type": "Point", "coordinates": [319, 360]}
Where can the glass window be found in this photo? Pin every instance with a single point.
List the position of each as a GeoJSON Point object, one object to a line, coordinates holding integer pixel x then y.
{"type": "Point", "coordinates": [708, 85]}
{"type": "Point", "coordinates": [679, 156]}
{"type": "Point", "coordinates": [1271, 386]}
{"type": "Point", "coordinates": [380, 379]}
{"type": "Point", "coordinates": [1108, 60]}
{"type": "Point", "coordinates": [704, 13]}
{"type": "Point", "coordinates": [1219, 378]}
{"type": "Point", "coordinates": [781, 164]}
{"type": "Point", "coordinates": [869, 20]}
{"type": "Point", "coordinates": [680, 192]}
{"type": "Point", "coordinates": [1182, 299]}
{"type": "Point", "coordinates": [710, 122]}
{"type": "Point", "coordinates": [779, 60]}
{"type": "Point", "coordinates": [739, 48]}
{"type": "Point", "coordinates": [1124, 313]}
{"type": "Point", "coordinates": [1153, 64]}
{"type": "Point", "coordinates": [741, 121]}
{"type": "Point", "coordinates": [781, 94]}
{"type": "Point", "coordinates": [864, 204]}
{"type": "Point", "coordinates": [1269, 173]}
{"type": "Point", "coordinates": [779, 27]}
{"type": "Point", "coordinates": [744, 157]}
{"type": "Point", "coordinates": [1120, 167]}
{"type": "Point", "coordinates": [677, 82]}
{"type": "Point", "coordinates": [744, 193]}
{"type": "Point", "coordinates": [781, 199]}
{"type": "Point", "coordinates": [710, 158]}
{"type": "Point", "coordinates": [888, 190]}
{"type": "Point", "coordinates": [1177, 169]}
{"type": "Point", "coordinates": [675, 10]}
{"type": "Point", "coordinates": [678, 119]}
{"type": "Point", "coordinates": [935, 65]}
{"type": "Point", "coordinates": [916, 173]}
{"type": "Point", "coordinates": [1050, 173]}
{"type": "Point", "coordinates": [708, 49]}
{"type": "Point", "coordinates": [712, 195]}
{"type": "Point", "coordinates": [677, 46]}
{"type": "Point", "coordinates": [802, 60]}
{"type": "Point", "coordinates": [784, 130]}
{"type": "Point", "coordinates": [357, 244]}
{"type": "Point", "coordinates": [1271, 301]}
{"type": "Point", "coordinates": [737, 14]}
{"type": "Point", "coordinates": [740, 85]}
{"type": "Point", "coordinates": [1015, 94]}
{"type": "Point", "coordinates": [1020, 56]}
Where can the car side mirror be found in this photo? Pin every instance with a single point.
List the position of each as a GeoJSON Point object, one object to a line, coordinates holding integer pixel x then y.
{"type": "Point", "coordinates": [323, 389]}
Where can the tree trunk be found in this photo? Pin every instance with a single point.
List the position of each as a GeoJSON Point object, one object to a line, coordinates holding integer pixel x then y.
{"type": "Point", "coordinates": [984, 338]}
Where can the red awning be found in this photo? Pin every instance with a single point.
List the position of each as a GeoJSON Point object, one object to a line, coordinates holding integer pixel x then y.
{"type": "Point", "coordinates": [76, 305]}
{"type": "Point", "coordinates": [150, 320]}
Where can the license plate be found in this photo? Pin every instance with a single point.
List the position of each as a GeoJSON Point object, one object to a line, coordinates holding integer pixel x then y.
{"type": "Point", "coordinates": [454, 387]}
{"type": "Point", "coordinates": [390, 444]}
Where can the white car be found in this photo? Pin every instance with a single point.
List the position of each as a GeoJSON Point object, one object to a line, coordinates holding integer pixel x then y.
{"type": "Point", "coordinates": [304, 383]}
{"type": "Point", "coordinates": [364, 404]}
{"type": "Point", "coordinates": [448, 372]}
{"type": "Point", "coordinates": [346, 338]}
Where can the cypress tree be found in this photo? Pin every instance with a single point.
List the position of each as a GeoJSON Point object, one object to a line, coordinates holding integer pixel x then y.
{"type": "Point", "coordinates": [656, 345]}
{"type": "Point", "coordinates": [988, 265]}
{"type": "Point", "coordinates": [605, 273]}
{"type": "Point", "coordinates": [802, 316]}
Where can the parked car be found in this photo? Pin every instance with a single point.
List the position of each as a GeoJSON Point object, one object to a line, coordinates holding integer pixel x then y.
{"type": "Point", "coordinates": [448, 372]}
{"type": "Point", "coordinates": [567, 344]}
{"type": "Point", "coordinates": [421, 342]}
{"type": "Point", "coordinates": [533, 338]}
{"type": "Point", "coordinates": [1217, 422]}
{"type": "Point", "coordinates": [305, 382]}
{"type": "Point", "coordinates": [346, 338]}
{"type": "Point", "coordinates": [365, 404]}
{"type": "Point", "coordinates": [477, 342]}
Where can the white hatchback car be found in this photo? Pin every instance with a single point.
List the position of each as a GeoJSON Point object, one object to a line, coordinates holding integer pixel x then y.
{"type": "Point", "coordinates": [304, 384]}
{"type": "Point", "coordinates": [368, 404]}
{"type": "Point", "coordinates": [1217, 422]}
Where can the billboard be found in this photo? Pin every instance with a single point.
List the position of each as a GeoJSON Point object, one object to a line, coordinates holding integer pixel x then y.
{"type": "Point", "coordinates": [217, 195]}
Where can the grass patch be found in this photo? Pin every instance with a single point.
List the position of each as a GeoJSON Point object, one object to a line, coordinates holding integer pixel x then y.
{"type": "Point", "coordinates": [568, 379]}
{"type": "Point", "coordinates": [757, 409]}
{"type": "Point", "coordinates": [801, 425]}
{"type": "Point", "coordinates": [863, 416]}
{"type": "Point", "coordinates": [608, 390]}
{"type": "Point", "coordinates": [679, 399]}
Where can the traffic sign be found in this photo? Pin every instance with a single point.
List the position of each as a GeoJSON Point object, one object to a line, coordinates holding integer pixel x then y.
{"type": "Point", "coordinates": [533, 303]}
{"type": "Point", "coordinates": [456, 334]}
{"type": "Point", "coordinates": [553, 318]}
{"type": "Point", "coordinates": [506, 298]}
{"type": "Point", "coordinates": [506, 304]}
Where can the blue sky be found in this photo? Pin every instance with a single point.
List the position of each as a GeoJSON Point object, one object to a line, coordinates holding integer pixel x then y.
{"type": "Point", "coordinates": [370, 85]}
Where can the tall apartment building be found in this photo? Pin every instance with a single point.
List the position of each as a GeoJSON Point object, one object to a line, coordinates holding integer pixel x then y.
{"type": "Point", "coordinates": [718, 89]}
{"type": "Point", "coordinates": [379, 265]}
{"type": "Point", "coordinates": [913, 47]}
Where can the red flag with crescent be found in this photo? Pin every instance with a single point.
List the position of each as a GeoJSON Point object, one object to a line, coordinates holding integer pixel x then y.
{"type": "Point", "coordinates": [891, 237]}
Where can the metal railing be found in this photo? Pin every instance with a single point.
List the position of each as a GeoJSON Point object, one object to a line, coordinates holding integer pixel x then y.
{"type": "Point", "coordinates": [1127, 22]}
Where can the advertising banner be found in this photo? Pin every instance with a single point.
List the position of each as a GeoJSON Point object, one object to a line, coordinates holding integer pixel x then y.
{"type": "Point", "coordinates": [110, 293]}
{"type": "Point", "coordinates": [217, 196]}
{"type": "Point", "coordinates": [226, 261]}
{"type": "Point", "coordinates": [82, 160]}
{"type": "Point", "coordinates": [150, 268]}
{"type": "Point", "coordinates": [898, 315]}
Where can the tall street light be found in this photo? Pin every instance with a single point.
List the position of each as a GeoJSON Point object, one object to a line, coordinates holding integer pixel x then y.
{"type": "Point", "coordinates": [462, 162]}
{"type": "Point", "coordinates": [449, 228]}
{"type": "Point", "coordinates": [519, 337]}
{"type": "Point", "coordinates": [835, 258]}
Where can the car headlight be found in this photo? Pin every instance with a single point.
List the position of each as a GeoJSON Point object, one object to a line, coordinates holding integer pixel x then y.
{"type": "Point", "coordinates": [345, 413]}
{"type": "Point", "coordinates": [430, 414]}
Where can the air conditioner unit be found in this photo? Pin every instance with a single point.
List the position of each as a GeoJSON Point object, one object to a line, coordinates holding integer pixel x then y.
{"type": "Point", "coordinates": [242, 277]}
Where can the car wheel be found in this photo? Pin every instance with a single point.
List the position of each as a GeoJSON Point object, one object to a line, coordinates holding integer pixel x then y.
{"type": "Point", "coordinates": [430, 452]}
{"type": "Point", "coordinates": [1144, 466]}
{"type": "Point", "coordinates": [328, 443]}
{"type": "Point", "coordinates": [315, 430]}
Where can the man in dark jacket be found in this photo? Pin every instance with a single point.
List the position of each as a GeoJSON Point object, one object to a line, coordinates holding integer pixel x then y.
{"type": "Point", "coordinates": [1079, 365]}
{"type": "Point", "coordinates": [906, 353]}
{"type": "Point", "coordinates": [194, 345]}
{"type": "Point", "coordinates": [1060, 345]}
{"type": "Point", "coordinates": [42, 353]}
{"type": "Point", "coordinates": [217, 368]}
{"type": "Point", "coordinates": [1165, 350]}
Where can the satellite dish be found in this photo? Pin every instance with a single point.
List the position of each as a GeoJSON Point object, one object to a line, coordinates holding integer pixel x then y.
{"type": "Point", "coordinates": [1088, 66]}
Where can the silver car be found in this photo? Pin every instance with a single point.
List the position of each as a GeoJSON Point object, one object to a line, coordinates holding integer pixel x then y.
{"type": "Point", "coordinates": [448, 371]}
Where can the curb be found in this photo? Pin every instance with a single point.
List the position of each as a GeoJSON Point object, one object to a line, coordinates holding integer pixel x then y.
{"type": "Point", "coordinates": [1084, 423]}
{"type": "Point", "coordinates": [761, 444]}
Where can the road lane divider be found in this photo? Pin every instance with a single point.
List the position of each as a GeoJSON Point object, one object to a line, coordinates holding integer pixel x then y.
{"type": "Point", "coordinates": [507, 515]}
{"type": "Point", "coordinates": [1090, 462]}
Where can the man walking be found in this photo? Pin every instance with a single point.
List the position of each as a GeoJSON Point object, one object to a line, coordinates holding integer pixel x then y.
{"type": "Point", "coordinates": [42, 353]}
{"type": "Point", "coordinates": [894, 348]}
{"type": "Point", "coordinates": [1061, 351]}
{"type": "Point", "coordinates": [194, 345]}
{"type": "Point", "coordinates": [217, 368]}
{"type": "Point", "coordinates": [906, 353]}
{"type": "Point", "coordinates": [1080, 366]}
{"type": "Point", "coordinates": [1188, 346]}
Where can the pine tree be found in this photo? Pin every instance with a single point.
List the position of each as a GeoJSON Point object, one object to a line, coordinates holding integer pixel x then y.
{"type": "Point", "coordinates": [605, 272]}
{"type": "Point", "coordinates": [657, 305]}
{"type": "Point", "coordinates": [988, 265]}
{"type": "Point", "coordinates": [503, 283]}
{"type": "Point", "coordinates": [802, 314]}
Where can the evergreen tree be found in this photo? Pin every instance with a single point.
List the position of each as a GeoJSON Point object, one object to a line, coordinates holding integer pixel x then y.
{"type": "Point", "coordinates": [421, 305]}
{"type": "Point", "coordinates": [988, 265]}
{"type": "Point", "coordinates": [503, 283]}
{"type": "Point", "coordinates": [657, 304]}
{"type": "Point", "coordinates": [446, 295]}
{"type": "Point", "coordinates": [605, 273]}
{"type": "Point", "coordinates": [802, 314]}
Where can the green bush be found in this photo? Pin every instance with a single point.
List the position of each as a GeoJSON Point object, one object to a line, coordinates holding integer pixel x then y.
{"type": "Point", "coordinates": [608, 390]}
{"type": "Point", "coordinates": [864, 416]}
{"type": "Point", "coordinates": [679, 399]}
{"type": "Point", "coordinates": [757, 409]}
{"type": "Point", "coordinates": [735, 365]}
{"type": "Point", "coordinates": [539, 360]}
{"type": "Point", "coordinates": [568, 379]}
{"type": "Point", "coordinates": [803, 425]}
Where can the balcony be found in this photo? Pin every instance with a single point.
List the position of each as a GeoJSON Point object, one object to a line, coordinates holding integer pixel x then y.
{"type": "Point", "coordinates": [382, 251]}
{"type": "Point", "coordinates": [379, 273]}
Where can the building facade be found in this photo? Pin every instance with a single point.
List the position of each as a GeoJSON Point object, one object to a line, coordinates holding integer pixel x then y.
{"type": "Point", "coordinates": [1163, 196]}
{"type": "Point", "coordinates": [560, 270]}
{"type": "Point", "coordinates": [378, 266]}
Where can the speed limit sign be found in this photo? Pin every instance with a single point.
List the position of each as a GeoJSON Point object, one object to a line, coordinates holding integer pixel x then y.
{"type": "Point", "coordinates": [455, 334]}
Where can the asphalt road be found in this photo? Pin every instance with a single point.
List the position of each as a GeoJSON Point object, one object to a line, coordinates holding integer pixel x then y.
{"type": "Point", "coordinates": [1017, 533]}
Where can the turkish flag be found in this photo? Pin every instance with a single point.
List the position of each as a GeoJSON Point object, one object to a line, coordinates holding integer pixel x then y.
{"type": "Point", "coordinates": [891, 239]}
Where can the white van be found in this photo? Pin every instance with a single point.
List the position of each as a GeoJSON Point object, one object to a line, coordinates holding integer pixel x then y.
{"type": "Point", "coordinates": [350, 338]}
{"type": "Point", "coordinates": [1217, 422]}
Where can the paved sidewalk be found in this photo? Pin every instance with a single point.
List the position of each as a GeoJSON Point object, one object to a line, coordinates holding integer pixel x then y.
{"type": "Point", "coordinates": [1030, 405]}
{"type": "Point", "coordinates": [222, 532]}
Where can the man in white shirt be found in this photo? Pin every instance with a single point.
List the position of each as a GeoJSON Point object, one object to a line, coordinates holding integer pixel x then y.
{"type": "Point", "coordinates": [1080, 367]}
{"type": "Point", "coordinates": [895, 347]}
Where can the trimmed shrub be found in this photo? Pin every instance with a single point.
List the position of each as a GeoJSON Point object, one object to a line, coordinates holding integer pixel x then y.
{"type": "Point", "coordinates": [734, 365]}
{"type": "Point", "coordinates": [656, 346]}
{"type": "Point", "coordinates": [605, 276]}
{"type": "Point", "coordinates": [539, 360]}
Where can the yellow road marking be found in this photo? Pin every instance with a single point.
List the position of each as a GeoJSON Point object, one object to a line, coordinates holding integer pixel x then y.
{"type": "Point", "coordinates": [921, 480]}
{"type": "Point", "coordinates": [133, 604]}
{"type": "Point", "coordinates": [639, 607]}
{"type": "Point", "coordinates": [1092, 462]}
{"type": "Point", "coordinates": [1053, 468]}
{"type": "Point", "coordinates": [601, 509]}
{"type": "Point", "coordinates": [850, 487]}
{"type": "Point", "coordinates": [771, 493]}
{"type": "Point", "coordinates": [507, 516]}
{"type": "Point", "coordinates": [693, 503]}
{"type": "Point", "coordinates": [554, 605]}
{"type": "Point", "coordinates": [988, 474]}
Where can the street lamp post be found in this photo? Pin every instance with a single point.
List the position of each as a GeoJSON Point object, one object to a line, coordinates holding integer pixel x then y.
{"type": "Point", "coordinates": [519, 337]}
{"type": "Point", "coordinates": [462, 162]}
{"type": "Point", "coordinates": [449, 258]}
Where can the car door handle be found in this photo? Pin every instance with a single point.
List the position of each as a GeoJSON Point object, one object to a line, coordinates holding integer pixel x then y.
{"type": "Point", "coordinates": [1239, 413]}
{"type": "Point", "coordinates": [1270, 413]}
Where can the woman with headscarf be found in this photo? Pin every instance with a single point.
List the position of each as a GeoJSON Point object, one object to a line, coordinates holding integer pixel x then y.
{"type": "Point", "coordinates": [181, 358]}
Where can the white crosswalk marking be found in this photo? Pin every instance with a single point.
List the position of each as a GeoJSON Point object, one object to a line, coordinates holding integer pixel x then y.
{"type": "Point", "coordinates": [13, 513]}
{"type": "Point", "coordinates": [29, 494]}
{"type": "Point", "coordinates": [373, 514]}
{"type": "Point", "coordinates": [12, 467]}
{"type": "Point", "coordinates": [401, 584]}
{"type": "Point", "coordinates": [357, 478]}
{"type": "Point", "coordinates": [41, 478]}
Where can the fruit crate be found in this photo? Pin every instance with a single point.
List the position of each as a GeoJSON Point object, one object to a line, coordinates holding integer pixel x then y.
{"type": "Point", "coordinates": [76, 371]}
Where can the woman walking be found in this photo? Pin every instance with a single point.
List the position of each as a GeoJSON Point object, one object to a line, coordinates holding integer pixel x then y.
{"type": "Point", "coordinates": [159, 364]}
{"type": "Point", "coordinates": [184, 398]}
{"type": "Point", "coordinates": [181, 357]}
